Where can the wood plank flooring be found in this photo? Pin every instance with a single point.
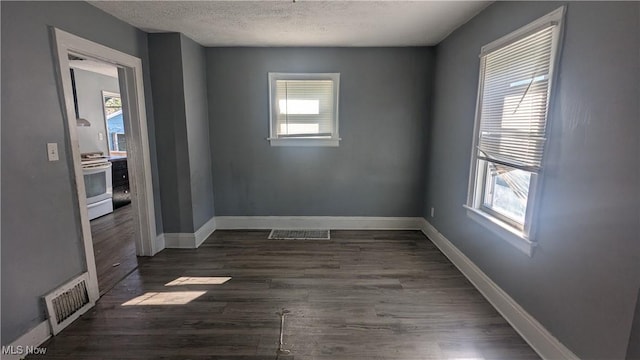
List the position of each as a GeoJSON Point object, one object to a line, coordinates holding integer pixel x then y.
{"type": "Point", "coordinates": [114, 243]}
{"type": "Point", "coordinates": [361, 295]}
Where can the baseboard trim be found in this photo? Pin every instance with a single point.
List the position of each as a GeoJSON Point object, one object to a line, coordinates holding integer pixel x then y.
{"type": "Point", "coordinates": [318, 222]}
{"type": "Point", "coordinates": [190, 240]}
{"type": "Point", "coordinates": [194, 240]}
{"type": "Point", "coordinates": [204, 231]}
{"type": "Point", "coordinates": [31, 339]}
{"type": "Point", "coordinates": [536, 335]}
{"type": "Point", "coordinates": [160, 243]}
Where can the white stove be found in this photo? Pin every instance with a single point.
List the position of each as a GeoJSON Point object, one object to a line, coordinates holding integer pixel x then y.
{"type": "Point", "coordinates": [96, 169]}
{"type": "Point", "coordinates": [89, 159]}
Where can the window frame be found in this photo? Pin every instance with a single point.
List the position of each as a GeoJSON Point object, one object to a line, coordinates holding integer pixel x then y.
{"type": "Point", "coordinates": [522, 236]}
{"type": "Point", "coordinates": [110, 140]}
{"type": "Point", "coordinates": [273, 138]}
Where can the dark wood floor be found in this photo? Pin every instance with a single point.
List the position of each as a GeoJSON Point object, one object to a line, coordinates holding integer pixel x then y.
{"type": "Point", "coordinates": [114, 247]}
{"type": "Point", "coordinates": [361, 295]}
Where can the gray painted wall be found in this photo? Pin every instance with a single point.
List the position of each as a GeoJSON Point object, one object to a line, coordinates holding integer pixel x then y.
{"type": "Point", "coordinates": [171, 133]}
{"type": "Point", "coordinates": [178, 76]}
{"type": "Point", "coordinates": [41, 236]}
{"type": "Point", "coordinates": [583, 279]}
{"type": "Point", "coordinates": [378, 169]}
{"type": "Point", "coordinates": [197, 121]}
{"type": "Point", "coordinates": [89, 86]}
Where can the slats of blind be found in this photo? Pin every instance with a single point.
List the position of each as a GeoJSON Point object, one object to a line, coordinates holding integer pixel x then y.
{"type": "Point", "coordinates": [304, 108]}
{"type": "Point", "coordinates": [514, 102]}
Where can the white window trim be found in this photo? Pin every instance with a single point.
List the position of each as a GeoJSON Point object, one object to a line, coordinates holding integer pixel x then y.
{"type": "Point", "coordinates": [523, 240]}
{"type": "Point", "coordinates": [334, 141]}
{"type": "Point", "coordinates": [304, 142]}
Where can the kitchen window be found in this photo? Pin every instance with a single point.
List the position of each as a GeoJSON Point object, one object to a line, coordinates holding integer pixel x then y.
{"type": "Point", "coordinates": [516, 74]}
{"type": "Point", "coordinates": [112, 105]}
{"type": "Point", "coordinates": [304, 109]}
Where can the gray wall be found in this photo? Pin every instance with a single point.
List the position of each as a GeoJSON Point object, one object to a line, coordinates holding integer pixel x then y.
{"type": "Point", "coordinates": [41, 236]}
{"type": "Point", "coordinates": [582, 280]}
{"type": "Point", "coordinates": [178, 76]}
{"type": "Point", "coordinates": [171, 133]}
{"type": "Point", "coordinates": [89, 86]}
{"type": "Point", "coordinates": [197, 118]}
{"type": "Point", "coordinates": [376, 171]}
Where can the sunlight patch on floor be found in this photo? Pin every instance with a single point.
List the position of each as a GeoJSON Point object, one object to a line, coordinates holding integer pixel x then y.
{"type": "Point", "coordinates": [199, 280]}
{"type": "Point", "coordinates": [165, 298]}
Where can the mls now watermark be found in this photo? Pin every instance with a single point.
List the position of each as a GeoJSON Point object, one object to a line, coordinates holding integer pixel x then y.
{"type": "Point", "coordinates": [23, 350]}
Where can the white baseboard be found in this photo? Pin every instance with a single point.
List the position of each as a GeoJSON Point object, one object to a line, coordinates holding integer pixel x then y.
{"type": "Point", "coordinates": [31, 339]}
{"type": "Point", "coordinates": [190, 240]}
{"type": "Point", "coordinates": [194, 240]}
{"type": "Point", "coordinates": [318, 222]}
{"type": "Point", "coordinates": [204, 231]}
{"type": "Point", "coordinates": [160, 243]}
{"type": "Point", "coordinates": [536, 335]}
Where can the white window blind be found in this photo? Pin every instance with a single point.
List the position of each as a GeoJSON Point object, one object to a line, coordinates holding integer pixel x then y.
{"type": "Point", "coordinates": [304, 108]}
{"type": "Point", "coordinates": [514, 101]}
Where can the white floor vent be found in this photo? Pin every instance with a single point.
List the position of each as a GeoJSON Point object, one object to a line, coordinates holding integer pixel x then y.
{"type": "Point", "coordinates": [68, 302]}
{"type": "Point", "coordinates": [300, 234]}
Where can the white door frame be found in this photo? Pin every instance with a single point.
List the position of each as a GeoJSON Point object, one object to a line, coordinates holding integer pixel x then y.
{"type": "Point", "coordinates": [130, 73]}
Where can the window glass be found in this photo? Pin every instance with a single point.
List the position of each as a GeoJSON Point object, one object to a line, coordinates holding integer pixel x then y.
{"type": "Point", "coordinates": [506, 191]}
{"type": "Point", "coordinates": [304, 109]}
{"type": "Point", "coordinates": [115, 123]}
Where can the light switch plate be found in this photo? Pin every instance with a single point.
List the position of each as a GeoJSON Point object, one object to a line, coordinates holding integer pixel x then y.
{"type": "Point", "coordinates": [52, 151]}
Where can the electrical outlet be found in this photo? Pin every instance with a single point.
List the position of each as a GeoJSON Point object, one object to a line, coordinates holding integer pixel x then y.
{"type": "Point", "coordinates": [100, 136]}
{"type": "Point", "coordinates": [433, 212]}
{"type": "Point", "coordinates": [52, 151]}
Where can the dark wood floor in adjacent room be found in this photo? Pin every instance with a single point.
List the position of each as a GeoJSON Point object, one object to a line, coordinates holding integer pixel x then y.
{"type": "Point", "coordinates": [361, 295]}
{"type": "Point", "coordinates": [114, 247]}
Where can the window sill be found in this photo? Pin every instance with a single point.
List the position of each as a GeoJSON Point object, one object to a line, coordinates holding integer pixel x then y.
{"type": "Point", "coordinates": [304, 142]}
{"type": "Point", "coordinates": [506, 232]}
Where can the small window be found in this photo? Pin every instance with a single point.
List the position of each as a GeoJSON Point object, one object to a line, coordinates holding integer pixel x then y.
{"type": "Point", "coordinates": [304, 109]}
{"type": "Point", "coordinates": [115, 123]}
{"type": "Point", "coordinates": [511, 126]}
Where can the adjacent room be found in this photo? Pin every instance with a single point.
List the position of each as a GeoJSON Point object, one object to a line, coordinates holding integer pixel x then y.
{"type": "Point", "coordinates": [320, 180]}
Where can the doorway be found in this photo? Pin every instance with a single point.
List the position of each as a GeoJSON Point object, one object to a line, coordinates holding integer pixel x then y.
{"type": "Point", "coordinates": [130, 83]}
{"type": "Point", "coordinates": [102, 134]}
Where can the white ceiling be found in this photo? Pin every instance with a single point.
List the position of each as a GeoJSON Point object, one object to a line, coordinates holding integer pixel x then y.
{"type": "Point", "coordinates": [303, 23]}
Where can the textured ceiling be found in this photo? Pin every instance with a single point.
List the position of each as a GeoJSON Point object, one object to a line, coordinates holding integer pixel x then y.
{"type": "Point", "coordinates": [303, 23]}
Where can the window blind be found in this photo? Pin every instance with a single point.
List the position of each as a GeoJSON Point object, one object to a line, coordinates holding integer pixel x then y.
{"type": "Point", "coordinates": [304, 108]}
{"type": "Point", "coordinates": [514, 102]}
